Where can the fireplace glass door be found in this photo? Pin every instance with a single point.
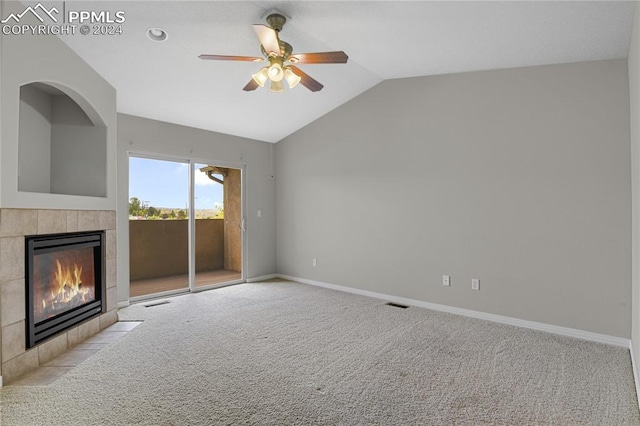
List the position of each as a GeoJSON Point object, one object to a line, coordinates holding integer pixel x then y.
{"type": "Point", "coordinates": [65, 282]}
{"type": "Point", "coordinates": [62, 280]}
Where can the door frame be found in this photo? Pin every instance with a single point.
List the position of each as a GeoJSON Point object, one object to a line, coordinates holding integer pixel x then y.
{"type": "Point", "coordinates": [192, 223]}
{"type": "Point", "coordinates": [191, 162]}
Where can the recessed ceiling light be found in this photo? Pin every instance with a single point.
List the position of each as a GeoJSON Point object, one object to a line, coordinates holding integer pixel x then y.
{"type": "Point", "coordinates": [157, 34]}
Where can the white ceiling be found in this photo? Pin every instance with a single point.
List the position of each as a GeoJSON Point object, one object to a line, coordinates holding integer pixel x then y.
{"type": "Point", "coordinates": [384, 40]}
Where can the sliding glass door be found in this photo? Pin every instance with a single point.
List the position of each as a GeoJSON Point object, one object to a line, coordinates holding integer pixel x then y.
{"type": "Point", "coordinates": [158, 226]}
{"type": "Point", "coordinates": [218, 225]}
{"type": "Point", "coordinates": [186, 228]}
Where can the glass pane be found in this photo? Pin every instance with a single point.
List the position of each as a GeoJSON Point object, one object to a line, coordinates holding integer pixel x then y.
{"type": "Point", "coordinates": [218, 231]}
{"type": "Point", "coordinates": [62, 281]}
{"type": "Point", "coordinates": [158, 226]}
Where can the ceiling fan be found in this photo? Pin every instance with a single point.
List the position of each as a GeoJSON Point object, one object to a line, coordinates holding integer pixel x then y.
{"type": "Point", "coordinates": [281, 58]}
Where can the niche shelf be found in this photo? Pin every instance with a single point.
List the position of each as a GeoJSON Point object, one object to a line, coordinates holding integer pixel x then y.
{"type": "Point", "coordinates": [62, 146]}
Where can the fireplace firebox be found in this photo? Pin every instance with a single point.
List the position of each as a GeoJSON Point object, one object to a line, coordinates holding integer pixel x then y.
{"type": "Point", "coordinates": [65, 282]}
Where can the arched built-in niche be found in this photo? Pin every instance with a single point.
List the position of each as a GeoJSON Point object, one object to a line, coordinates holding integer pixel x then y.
{"type": "Point", "coordinates": [62, 146]}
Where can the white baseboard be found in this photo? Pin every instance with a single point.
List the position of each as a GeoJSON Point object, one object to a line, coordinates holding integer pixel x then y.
{"type": "Point", "coordinates": [123, 304]}
{"type": "Point", "coordinates": [636, 378]}
{"type": "Point", "coordinates": [262, 278]}
{"type": "Point", "coordinates": [554, 329]}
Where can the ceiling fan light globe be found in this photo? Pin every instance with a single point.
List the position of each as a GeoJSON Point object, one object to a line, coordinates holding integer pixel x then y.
{"type": "Point", "coordinates": [261, 76]}
{"type": "Point", "coordinates": [291, 78]}
{"type": "Point", "coordinates": [276, 86]}
{"type": "Point", "coordinates": [275, 72]}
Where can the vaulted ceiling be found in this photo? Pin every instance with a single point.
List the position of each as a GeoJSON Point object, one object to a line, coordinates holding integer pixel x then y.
{"type": "Point", "coordinates": [384, 40]}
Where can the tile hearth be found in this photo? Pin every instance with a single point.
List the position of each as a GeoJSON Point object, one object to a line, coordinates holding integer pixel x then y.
{"type": "Point", "coordinates": [62, 364]}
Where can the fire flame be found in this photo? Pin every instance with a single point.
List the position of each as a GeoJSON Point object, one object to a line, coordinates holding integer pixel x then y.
{"type": "Point", "coordinates": [67, 285]}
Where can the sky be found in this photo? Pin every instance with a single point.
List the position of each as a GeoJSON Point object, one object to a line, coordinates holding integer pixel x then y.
{"type": "Point", "coordinates": [166, 184]}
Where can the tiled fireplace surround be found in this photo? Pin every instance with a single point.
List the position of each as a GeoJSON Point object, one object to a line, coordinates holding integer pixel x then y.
{"type": "Point", "coordinates": [15, 224]}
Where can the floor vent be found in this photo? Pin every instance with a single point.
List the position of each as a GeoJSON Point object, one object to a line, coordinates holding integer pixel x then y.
{"type": "Point", "coordinates": [149, 305]}
{"type": "Point", "coordinates": [396, 305]}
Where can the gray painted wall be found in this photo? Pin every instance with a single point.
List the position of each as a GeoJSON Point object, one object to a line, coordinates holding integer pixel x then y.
{"type": "Point", "coordinates": [156, 138]}
{"type": "Point", "coordinates": [60, 150]}
{"type": "Point", "coordinates": [518, 177]}
{"type": "Point", "coordinates": [78, 151]}
{"type": "Point", "coordinates": [78, 160]}
{"type": "Point", "coordinates": [34, 150]}
{"type": "Point", "coordinates": [634, 98]}
{"type": "Point", "coordinates": [28, 59]}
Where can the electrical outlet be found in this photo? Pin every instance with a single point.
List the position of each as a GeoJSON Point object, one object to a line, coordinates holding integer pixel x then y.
{"type": "Point", "coordinates": [314, 262]}
{"type": "Point", "coordinates": [445, 280]}
{"type": "Point", "coordinates": [475, 284]}
{"type": "Point", "coordinates": [259, 213]}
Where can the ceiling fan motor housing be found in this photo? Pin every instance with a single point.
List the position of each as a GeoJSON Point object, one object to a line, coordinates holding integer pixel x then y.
{"type": "Point", "coordinates": [276, 21]}
{"type": "Point", "coordinates": [285, 50]}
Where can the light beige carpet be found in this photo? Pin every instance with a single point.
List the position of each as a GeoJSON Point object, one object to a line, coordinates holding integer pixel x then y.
{"type": "Point", "coordinates": [283, 353]}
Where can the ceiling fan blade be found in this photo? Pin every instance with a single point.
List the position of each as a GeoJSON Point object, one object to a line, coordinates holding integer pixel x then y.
{"type": "Point", "coordinates": [307, 81]}
{"type": "Point", "coordinates": [251, 85]}
{"type": "Point", "coordinates": [231, 58]}
{"type": "Point", "coordinates": [268, 38]}
{"type": "Point", "coordinates": [319, 58]}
